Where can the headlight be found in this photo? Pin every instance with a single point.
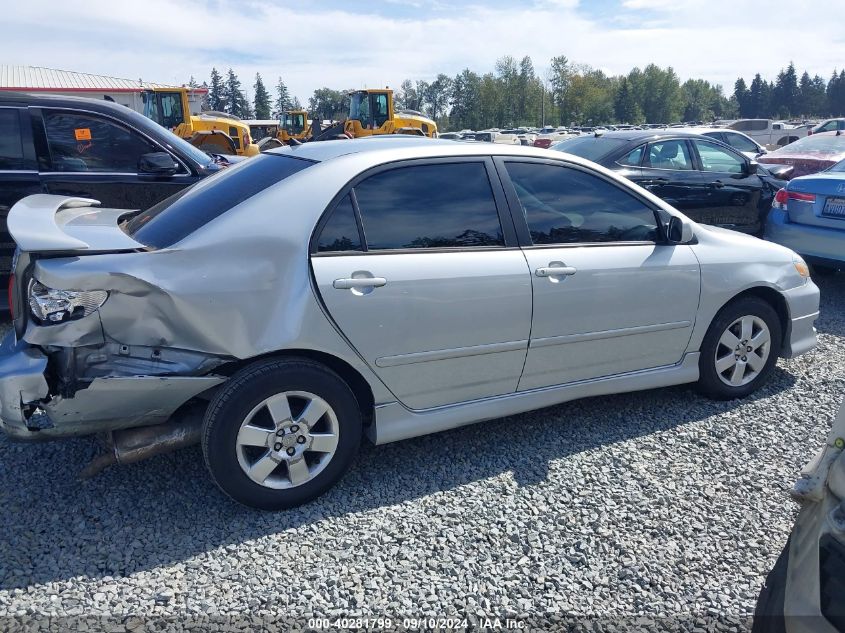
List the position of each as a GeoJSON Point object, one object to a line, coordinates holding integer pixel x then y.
{"type": "Point", "coordinates": [801, 267]}
{"type": "Point", "coordinates": [56, 306]}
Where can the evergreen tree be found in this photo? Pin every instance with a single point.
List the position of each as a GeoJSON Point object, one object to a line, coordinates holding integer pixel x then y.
{"type": "Point", "coordinates": [236, 102]}
{"type": "Point", "coordinates": [625, 105]}
{"type": "Point", "coordinates": [283, 101]}
{"type": "Point", "coordinates": [261, 100]}
{"type": "Point", "coordinates": [743, 98]}
{"type": "Point", "coordinates": [215, 91]}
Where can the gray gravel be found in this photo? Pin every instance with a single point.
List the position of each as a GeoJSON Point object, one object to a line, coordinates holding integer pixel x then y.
{"type": "Point", "coordinates": [659, 503]}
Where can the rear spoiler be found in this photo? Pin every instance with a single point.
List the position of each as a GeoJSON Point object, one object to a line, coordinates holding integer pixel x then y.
{"type": "Point", "coordinates": [44, 222]}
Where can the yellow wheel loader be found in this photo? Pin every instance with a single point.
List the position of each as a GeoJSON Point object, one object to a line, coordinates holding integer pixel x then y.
{"type": "Point", "coordinates": [215, 132]}
{"type": "Point", "coordinates": [294, 124]}
{"type": "Point", "coordinates": [371, 113]}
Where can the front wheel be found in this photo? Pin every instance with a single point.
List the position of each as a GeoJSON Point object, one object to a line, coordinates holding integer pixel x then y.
{"type": "Point", "coordinates": [740, 349]}
{"type": "Point", "coordinates": [280, 433]}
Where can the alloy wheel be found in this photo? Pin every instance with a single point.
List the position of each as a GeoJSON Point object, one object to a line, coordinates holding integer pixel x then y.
{"type": "Point", "coordinates": [743, 350]}
{"type": "Point", "coordinates": [287, 439]}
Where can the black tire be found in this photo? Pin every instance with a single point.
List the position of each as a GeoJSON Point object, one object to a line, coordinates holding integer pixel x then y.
{"type": "Point", "coordinates": [768, 614]}
{"type": "Point", "coordinates": [709, 382]}
{"type": "Point", "coordinates": [245, 391]}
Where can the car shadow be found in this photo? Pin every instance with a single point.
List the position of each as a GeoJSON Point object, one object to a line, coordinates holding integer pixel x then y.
{"type": "Point", "coordinates": [166, 510]}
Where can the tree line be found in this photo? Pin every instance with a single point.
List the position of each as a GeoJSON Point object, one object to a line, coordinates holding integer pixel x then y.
{"type": "Point", "coordinates": [514, 94]}
{"type": "Point", "coordinates": [789, 96]}
{"type": "Point", "coordinates": [227, 95]}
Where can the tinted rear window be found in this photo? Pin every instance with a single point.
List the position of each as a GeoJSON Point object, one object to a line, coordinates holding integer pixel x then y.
{"type": "Point", "coordinates": [176, 217]}
{"type": "Point", "coordinates": [815, 144]}
{"type": "Point", "coordinates": [590, 147]}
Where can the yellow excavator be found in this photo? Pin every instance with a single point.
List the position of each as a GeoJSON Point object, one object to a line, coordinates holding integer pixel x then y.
{"type": "Point", "coordinates": [215, 132]}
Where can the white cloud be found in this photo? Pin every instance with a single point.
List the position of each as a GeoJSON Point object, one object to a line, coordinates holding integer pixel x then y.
{"type": "Point", "coordinates": [168, 41]}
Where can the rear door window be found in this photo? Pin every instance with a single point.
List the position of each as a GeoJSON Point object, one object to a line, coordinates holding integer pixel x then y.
{"type": "Point", "coordinates": [81, 142]}
{"type": "Point", "coordinates": [11, 143]}
{"type": "Point", "coordinates": [176, 217]}
{"type": "Point", "coordinates": [340, 232]}
{"type": "Point", "coordinates": [444, 205]}
{"type": "Point", "coordinates": [672, 154]}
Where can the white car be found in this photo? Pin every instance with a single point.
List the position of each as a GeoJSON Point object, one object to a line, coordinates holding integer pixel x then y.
{"type": "Point", "coordinates": [738, 140]}
{"type": "Point", "coordinates": [768, 133]}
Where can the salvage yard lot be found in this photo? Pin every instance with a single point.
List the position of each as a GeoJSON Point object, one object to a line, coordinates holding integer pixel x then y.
{"type": "Point", "coordinates": [659, 502]}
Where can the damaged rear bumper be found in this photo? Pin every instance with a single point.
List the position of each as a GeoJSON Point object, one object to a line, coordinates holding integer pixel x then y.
{"type": "Point", "coordinates": [28, 410]}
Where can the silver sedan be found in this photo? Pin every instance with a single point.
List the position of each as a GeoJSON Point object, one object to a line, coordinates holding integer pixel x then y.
{"type": "Point", "coordinates": [281, 310]}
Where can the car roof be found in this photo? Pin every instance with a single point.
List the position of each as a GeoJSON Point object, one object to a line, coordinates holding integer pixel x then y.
{"type": "Point", "coordinates": [399, 147]}
{"type": "Point", "coordinates": [646, 135]}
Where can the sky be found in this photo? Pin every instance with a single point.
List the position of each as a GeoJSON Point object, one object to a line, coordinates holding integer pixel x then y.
{"type": "Point", "coordinates": [343, 45]}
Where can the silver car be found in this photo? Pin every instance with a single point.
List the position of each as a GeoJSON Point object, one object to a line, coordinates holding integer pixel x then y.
{"type": "Point", "coordinates": [280, 310]}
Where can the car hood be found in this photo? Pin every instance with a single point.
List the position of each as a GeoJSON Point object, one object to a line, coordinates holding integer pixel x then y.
{"type": "Point", "coordinates": [51, 223]}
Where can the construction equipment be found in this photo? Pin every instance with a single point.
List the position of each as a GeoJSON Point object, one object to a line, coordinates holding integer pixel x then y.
{"type": "Point", "coordinates": [371, 113]}
{"type": "Point", "coordinates": [215, 132]}
{"type": "Point", "coordinates": [294, 124]}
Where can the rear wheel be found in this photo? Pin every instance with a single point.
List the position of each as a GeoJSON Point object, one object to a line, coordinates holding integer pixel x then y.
{"type": "Point", "coordinates": [740, 349]}
{"type": "Point", "coordinates": [280, 433]}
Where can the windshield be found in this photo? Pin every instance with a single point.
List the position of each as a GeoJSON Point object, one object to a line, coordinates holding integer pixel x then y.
{"type": "Point", "coordinates": [589, 147]}
{"type": "Point", "coordinates": [293, 123]}
{"type": "Point", "coordinates": [359, 107]}
{"type": "Point", "coordinates": [165, 108]}
{"type": "Point", "coordinates": [815, 144]}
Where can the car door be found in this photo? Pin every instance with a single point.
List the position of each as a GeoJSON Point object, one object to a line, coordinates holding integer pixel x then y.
{"type": "Point", "coordinates": [92, 155]}
{"type": "Point", "coordinates": [18, 179]}
{"type": "Point", "coordinates": [418, 266]}
{"type": "Point", "coordinates": [610, 294]}
{"type": "Point", "coordinates": [733, 192]}
{"type": "Point", "coordinates": [668, 171]}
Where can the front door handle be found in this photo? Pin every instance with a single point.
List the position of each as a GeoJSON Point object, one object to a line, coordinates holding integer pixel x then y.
{"type": "Point", "coordinates": [359, 282]}
{"type": "Point", "coordinates": [555, 271]}
{"type": "Point", "coordinates": [718, 184]}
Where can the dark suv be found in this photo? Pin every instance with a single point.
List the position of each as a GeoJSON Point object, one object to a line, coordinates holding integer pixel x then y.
{"type": "Point", "coordinates": [89, 148]}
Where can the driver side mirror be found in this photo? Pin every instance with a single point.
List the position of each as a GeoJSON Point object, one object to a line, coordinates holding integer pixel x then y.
{"type": "Point", "coordinates": [158, 164]}
{"type": "Point", "coordinates": [751, 168]}
{"type": "Point", "coordinates": [679, 231]}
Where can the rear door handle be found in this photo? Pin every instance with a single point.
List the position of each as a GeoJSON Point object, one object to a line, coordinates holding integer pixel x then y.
{"type": "Point", "coordinates": [359, 282]}
{"type": "Point", "coordinates": [554, 271]}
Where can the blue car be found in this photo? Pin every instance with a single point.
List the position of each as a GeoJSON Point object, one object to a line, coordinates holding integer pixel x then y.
{"type": "Point", "coordinates": [808, 216]}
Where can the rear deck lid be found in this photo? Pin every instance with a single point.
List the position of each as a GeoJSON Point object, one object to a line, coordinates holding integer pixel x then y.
{"type": "Point", "coordinates": [818, 200]}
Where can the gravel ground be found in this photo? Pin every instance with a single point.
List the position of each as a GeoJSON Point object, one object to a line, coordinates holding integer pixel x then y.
{"type": "Point", "coordinates": [658, 503]}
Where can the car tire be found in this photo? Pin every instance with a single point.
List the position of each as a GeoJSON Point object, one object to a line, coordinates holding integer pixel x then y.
{"type": "Point", "coordinates": [768, 614]}
{"type": "Point", "coordinates": [281, 432]}
{"type": "Point", "coordinates": [740, 349]}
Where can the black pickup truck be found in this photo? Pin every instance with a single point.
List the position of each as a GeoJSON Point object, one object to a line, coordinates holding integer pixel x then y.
{"type": "Point", "coordinates": [92, 149]}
